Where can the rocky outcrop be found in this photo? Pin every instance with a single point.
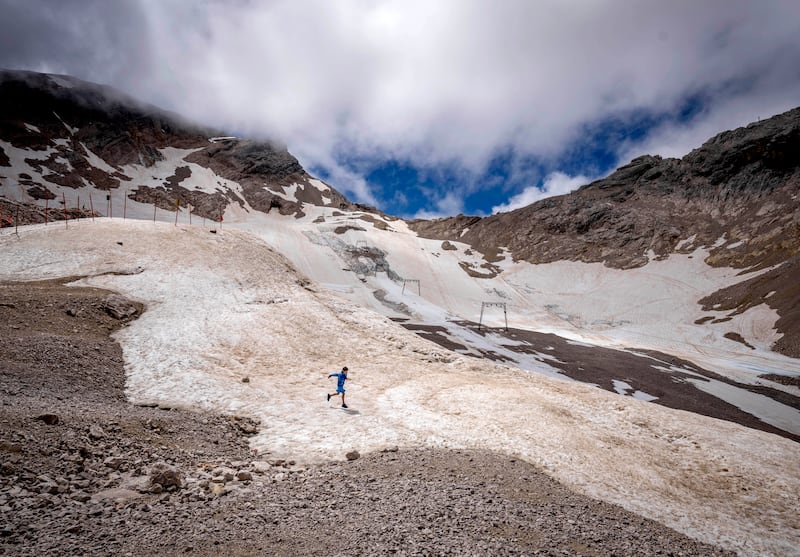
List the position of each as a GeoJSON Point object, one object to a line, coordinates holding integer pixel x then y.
{"type": "Point", "coordinates": [737, 195]}
{"type": "Point", "coordinates": [65, 122]}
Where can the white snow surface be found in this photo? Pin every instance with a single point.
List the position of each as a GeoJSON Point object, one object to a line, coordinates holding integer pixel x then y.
{"type": "Point", "coordinates": [224, 306]}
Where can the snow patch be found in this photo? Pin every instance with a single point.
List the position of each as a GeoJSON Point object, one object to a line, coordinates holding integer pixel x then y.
{"type": "Point", "coordinates": [96, 161]}
{"type": "Point", "coordinates": [623, 388]}
{"type": "Point", "coordinates": [70, 129]}
{"type": "Point", "coordinates": [32, 128]}
{"type": "Point", "coordinates": [686, 242]}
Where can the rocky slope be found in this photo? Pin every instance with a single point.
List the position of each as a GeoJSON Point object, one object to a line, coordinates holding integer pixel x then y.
{"type": "Point", "coordinates": [70, 122]}
{"type": "Point", "coordinates": [82, 471]}
{"type": "Point", "coordinates": [738, 195]}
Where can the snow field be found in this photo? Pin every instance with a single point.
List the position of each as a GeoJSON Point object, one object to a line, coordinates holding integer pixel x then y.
{"type": "Point", "coordinates": [225, 306]}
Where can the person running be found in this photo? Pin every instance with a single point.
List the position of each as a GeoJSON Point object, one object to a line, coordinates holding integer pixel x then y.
{"type": "Point", "coordinates": [339, 385]}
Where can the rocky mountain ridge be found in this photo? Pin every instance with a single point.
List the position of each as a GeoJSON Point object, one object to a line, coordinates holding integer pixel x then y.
{"type": "Point", "coordinates": [73, 123]}
{"type": "Point", "coordinates": [737, 195]}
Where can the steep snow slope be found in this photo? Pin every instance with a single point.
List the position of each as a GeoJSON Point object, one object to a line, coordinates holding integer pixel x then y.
{"type": "Point", "coordinates": [225, 306]}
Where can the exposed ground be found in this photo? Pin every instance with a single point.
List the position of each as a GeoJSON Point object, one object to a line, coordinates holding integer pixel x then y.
{"type": "Point", "coordinates": [85, 472]}
{"type": "Point", "coordinates": [661, 377]}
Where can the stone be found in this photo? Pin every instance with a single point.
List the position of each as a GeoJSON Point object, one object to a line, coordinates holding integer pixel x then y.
{"type": "Point", "coordinates": [219, 489]}
{"type": "Point", "coordinates": [137, 483]}
{"type": "Point", "coordinates": [49, 419]}
{"type": "Point", "coordinates": [119, 307]}
{"type": "Point", "coordinates": [244, 476]}
{"type": "Point", "coordinates": [166, 475]}
{"type": "Point", "coordinates": [353, 455]}
{"type": "Point", "coordinates": [114, 462]}
{"type": "Point", "coordinates": [115, 494]}
{"type": "Point", "coordinates": [96, 432]}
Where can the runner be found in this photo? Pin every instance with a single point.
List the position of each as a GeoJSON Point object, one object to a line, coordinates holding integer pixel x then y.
{"type": "Point", "coordinates": [339, 385]}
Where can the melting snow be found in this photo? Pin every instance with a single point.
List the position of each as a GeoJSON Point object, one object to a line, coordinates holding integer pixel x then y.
{"type": "Point", "coordinates": [621, 387]}
{"type": "Point", "coordinates": [225, 306]}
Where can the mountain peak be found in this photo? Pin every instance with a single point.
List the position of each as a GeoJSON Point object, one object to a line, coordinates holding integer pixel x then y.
{"type": "Point", "coordinates": [86, 136]}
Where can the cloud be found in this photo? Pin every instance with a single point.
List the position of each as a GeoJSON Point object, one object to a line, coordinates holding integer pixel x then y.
{"type": "Point", "coordinates": [428, 83]}
{"type": "Point", "coordinates": [449, 204]}
{"type": "Point", "coordinates": [556, 183]}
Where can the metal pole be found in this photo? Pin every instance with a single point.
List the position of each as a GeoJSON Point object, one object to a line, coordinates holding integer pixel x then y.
{"type": "Point", "coordinates": [91, 206]}
{"type": "Point", "coordinates": [66, 216]}
{"type": "Point", "coordinates": [46, 207]}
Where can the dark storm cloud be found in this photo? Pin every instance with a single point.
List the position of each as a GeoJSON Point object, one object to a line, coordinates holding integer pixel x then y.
{"type": "Point", "coordinates": [103, 40]}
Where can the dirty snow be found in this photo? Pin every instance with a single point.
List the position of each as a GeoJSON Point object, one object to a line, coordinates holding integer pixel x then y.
{"type": "Point", "coordinates": [221, 307]}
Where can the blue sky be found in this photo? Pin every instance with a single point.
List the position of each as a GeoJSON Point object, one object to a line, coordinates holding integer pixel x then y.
{"type": "Point", "coordinates": [428, 109]}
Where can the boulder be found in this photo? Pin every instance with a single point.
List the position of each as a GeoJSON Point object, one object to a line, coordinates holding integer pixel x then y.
{"type": "Point", "coordinates": [119, 307]}
{"type": "Point", "coordinates": [166, 476]}
{"type": "Point", "coordinates": [49, 419]}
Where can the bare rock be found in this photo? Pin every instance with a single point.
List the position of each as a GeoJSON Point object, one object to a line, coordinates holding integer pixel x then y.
{"type": "Point", "coordinates": [166, 476]}
{"type": "Point", "coordinates": [119, 307]}
{"type": "Point", "coordinates": [353, 455]}
{"type": "Point", "coordinates": [116, 494]}
{"type": "Point", "coordinates": [49, 419]}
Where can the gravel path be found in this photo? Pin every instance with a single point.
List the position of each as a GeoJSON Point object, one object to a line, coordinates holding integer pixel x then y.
{"type": "Point", "coordinates": [83, 472]}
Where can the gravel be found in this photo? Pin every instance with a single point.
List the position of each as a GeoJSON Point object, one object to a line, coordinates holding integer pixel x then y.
{"type": "Point", "coordinates": [84, 472]}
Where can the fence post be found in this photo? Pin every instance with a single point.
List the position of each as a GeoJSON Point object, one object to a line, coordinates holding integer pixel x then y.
{"type": "Point", "coordinates": [46, 207]}
{"type": "Point", "coordinates": [66, 216]}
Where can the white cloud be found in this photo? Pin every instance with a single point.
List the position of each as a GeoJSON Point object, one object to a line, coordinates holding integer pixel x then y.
{"type": "Point", "coordinates": [675, 139]}
{"type": "Point", "coordinates": [425, 82]}
{"type": "Point", "coordinates": [450, 204]}
{"type": "Point", "coordinates": [556, 183]}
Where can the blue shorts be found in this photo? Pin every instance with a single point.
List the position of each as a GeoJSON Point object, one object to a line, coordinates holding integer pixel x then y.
{"type": "Point", "coordinates": [340, 390]}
